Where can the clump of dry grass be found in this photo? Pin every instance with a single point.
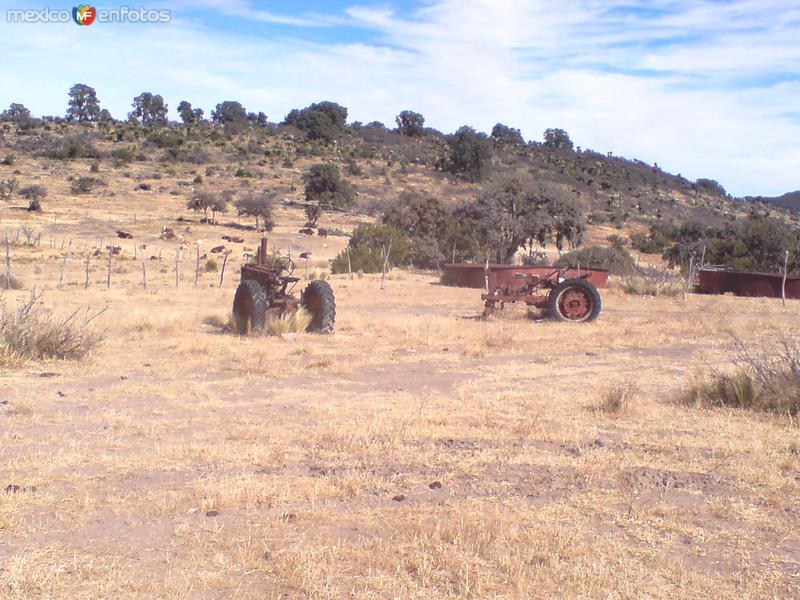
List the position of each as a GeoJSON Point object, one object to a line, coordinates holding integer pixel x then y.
{"type": "Point", "coordinates": [296, 321]}
{"type": "Point", "coordinates": [617, 399]}
{"type": "Point", "coordinates": [10, 282]}
{"type": "Point", "coordinates": [653, 282]}
{"type": "Point", "coordinates": [763, 378]}
{"type": "Point", "coordinates": [33, 332]}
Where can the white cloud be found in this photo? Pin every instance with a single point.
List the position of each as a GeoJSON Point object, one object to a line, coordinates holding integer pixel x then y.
{"type": "Point", "coordinates": [704, 88]}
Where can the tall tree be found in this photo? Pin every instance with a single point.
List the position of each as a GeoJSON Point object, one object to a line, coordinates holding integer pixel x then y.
{"type": "Point", "coordinates": [83, 104]}
{"type": "Point", "coordinates": [321, 121]}
{"type": "Point", "coordinates": [189, 115]}
{"type": "Point", "coordinates": [16, 113]}
{"type": "Point", "coordinates": [229, 111]}
{"type": "Point", "coordinates": [149, 109]}
{"type": "Point", "coordinates": [557, 139]}
{"type": "Point", "coordinates": [410, 123]}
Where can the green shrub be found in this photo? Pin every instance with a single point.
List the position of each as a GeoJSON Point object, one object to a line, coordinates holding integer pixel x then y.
{"type": "Point", "coordinates": [367, 247]}
{"type": "Point", "coordinates": [616, 260]}
{"type": "Point", "coordinates": [85, 185]}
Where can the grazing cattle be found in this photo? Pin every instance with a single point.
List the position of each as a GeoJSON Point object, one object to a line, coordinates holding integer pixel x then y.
{"type": "Point", "coordinates": [217, 249]}
{"type": "Point", "coordinates": [305, 254]}
{"type": "Point", "coordinates": [322, 233]}
{"type": "Point", "coordinates": [233, 239]}
{"type": "Point", "coordinates": [306, 231]}
{"type": "Point", "coordinates": [114, 249]}
{"type": "Point", "coordinates": [124, 235]}
{"type": "Point", "coordinates": [167, 233]}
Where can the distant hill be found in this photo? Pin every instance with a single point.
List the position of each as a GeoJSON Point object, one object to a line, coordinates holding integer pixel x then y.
{"type": "Point", "coordinates": [790, 201]}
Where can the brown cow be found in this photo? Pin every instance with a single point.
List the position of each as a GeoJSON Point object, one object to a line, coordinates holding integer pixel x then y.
{"type": "Point", "coordinates": [217, 249]}
{"type": "Point", "coordinates": [124, 235]}
{"type": "Point", "coordinates": [322, 233]}
{"type": "Point", "coordinates": [306, 231]}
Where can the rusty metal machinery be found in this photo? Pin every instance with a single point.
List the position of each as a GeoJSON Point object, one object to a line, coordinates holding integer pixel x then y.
{"type": "Point", "coordinates": [265, 293]}
{"type": "Point", "coordinates": [574, 299]}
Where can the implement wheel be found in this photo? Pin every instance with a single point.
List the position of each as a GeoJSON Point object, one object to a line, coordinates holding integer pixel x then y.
{"type": "Point", "coordinates": [574, 300]}
{"type": "Point", "coordinates": [249, 307]}
{"type": "Point", "coordinates": [318, 300]}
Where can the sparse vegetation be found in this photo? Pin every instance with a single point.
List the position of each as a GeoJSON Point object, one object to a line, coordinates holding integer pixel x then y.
{"type": "Point", "coordinates": [618, 398]}
{"type": "Point", "coordinates": [761, 377]}
{"type": "Point", "coordinates": [34, 332]}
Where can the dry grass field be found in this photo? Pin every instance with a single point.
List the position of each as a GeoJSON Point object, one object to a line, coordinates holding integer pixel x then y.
{"type": "Point", "coordinates": [418, 452]}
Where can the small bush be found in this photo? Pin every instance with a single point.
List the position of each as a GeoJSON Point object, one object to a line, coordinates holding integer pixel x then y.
{"type": "Point", "coordinates": [85, 185]}
{"type": "Point", "coordinates": [10, 283]}
{"type": "Point", "coordinates": [618, 398]}
{"type": "Point", "coordinates": [124, 155]}
{"type": "Point", "coordinates": [616, 260]}
{"type": "Point", "coordinates": [762, 378]}
{"type": "Point", "coordinates": [654, 283]}
{"type": "Point", "coordinates": [211, 266]}
{"type": "Point", "coordinates": [32, 332]}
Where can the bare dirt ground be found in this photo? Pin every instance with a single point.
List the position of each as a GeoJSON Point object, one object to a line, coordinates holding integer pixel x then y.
{"type": "Point", "coordinates": [418, 452]}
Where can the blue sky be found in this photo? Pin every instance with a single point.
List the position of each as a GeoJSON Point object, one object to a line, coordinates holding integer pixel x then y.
{"type": "Point", "coordinates": [706, 88]}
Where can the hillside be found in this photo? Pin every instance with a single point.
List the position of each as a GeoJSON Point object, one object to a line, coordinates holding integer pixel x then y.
{"type": "Point", "coordinates": [789, 201]}
{"type": "Point", "coordinates": [174, 160]}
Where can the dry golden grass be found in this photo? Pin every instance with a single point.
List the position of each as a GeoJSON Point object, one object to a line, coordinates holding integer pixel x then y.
{"type": "Point", "coordinates": [418, 452]}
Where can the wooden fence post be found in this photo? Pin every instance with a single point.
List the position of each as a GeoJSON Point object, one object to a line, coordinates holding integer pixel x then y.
{"type": "Point", "coordinates": [144, 268]}
{"type": "Point", "coordinates": [177, 267]}
{"type": "Point", "coordinates": [222, 273]}
{"type": "Point", "coordinates": [785, 273]}
{"type": "Point", "coordinates": [110, 255]}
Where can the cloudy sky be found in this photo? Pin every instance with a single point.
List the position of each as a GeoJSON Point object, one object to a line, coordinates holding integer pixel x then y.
{"type": "Point", "coordinates": [706, 88]}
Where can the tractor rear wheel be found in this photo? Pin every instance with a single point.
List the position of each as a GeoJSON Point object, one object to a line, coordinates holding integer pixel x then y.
{"type": "Point", "coordinates": [249, 307]}
{"type": "Point", "coordinates": [318, 300]}
{"type": "Point", "coordinates": [574, 300]}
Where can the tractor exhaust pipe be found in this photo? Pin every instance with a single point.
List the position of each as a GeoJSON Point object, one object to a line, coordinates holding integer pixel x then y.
{"type": "Point", "coordinates": [262, 252]}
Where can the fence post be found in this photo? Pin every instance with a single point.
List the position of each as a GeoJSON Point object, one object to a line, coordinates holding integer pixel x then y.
{"type": "Point", "coordinates": [8, 262]}
{"type": "Point", "coordinates": [177, 271]}
{"type": "Point", "coordinates": [110, 255]}
{"type": "Point", "coordinates": [144, 268]}
{"type": "Point", "coordinates": [197, 264]}
{"type": "Point", "coordinates": [785, 272]}
{"type": "Point", "coordinates": [222, 274]}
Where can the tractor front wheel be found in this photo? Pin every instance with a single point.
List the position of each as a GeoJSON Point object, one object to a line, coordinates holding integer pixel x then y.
{"type": "Point", "coordinates": [249, 307]}
{"type": "Point", "coordinates": [318, 300]}
{"type": "Point", "coordinates": [574, 300]}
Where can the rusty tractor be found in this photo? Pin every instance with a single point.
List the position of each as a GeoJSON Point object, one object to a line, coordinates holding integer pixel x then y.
{"type": "Point", "coordinates": [575, 300]}
{"type": "Point", "coordinates": [265, 293]}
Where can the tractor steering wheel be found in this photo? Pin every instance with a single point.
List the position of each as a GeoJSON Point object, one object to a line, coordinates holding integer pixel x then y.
{"type": "Point", "coordinates": [284, 263]}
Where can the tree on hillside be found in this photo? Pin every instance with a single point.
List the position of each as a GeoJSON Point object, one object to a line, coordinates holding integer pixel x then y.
{"type": "Point", "coordinates": [519, 213]}
{"type": "Point", "coordinates": [410, 123]}
{"type": "Point", "coordinates": [16, 113]}
{"type": "Point", "coordinates": [149, 109]}
{"type": "Point", "coordinates": [503, 135]}
{"type": "Point", "coordinates": [229, 111]}
{"type": "Point", "coordinates": [424, 220]}
{"type": "Point", "coordinates": [205, 201]}
{"type": "Point", "coordinates": [321, 121]}
{"type": "Point", "coordinates": [259, 118]}
{"type": "Point", "coordinates": [557, 139]}
{"type": "Point", "coordinates": [325, 186]}
{"type": "Point", "coordinates": [83, 104]}
{"type": "Point", "coordinates": [468, 154]}
{"type": "Point", "coordinates": [259, 206]}
{"type": "Point", "coordinates": [189, 116]}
